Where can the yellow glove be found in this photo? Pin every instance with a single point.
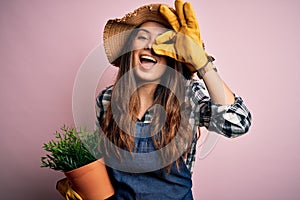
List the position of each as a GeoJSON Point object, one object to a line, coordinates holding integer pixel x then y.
{"type": "Point", "coordinates": [66, 190]}
{"type": "Point", "coordinates": [184, 44]}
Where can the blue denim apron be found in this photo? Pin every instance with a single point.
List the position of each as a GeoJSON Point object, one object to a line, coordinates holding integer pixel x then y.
{"type": "Point", "coordinates": [153, 185]}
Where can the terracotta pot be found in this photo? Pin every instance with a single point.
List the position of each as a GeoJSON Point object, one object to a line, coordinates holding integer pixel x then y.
{"type": "Point", "coordinates": [91, 181]}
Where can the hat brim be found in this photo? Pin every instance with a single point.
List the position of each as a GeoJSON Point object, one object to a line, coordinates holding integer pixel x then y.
{"type": "Point", "coordinates": [117, 31]}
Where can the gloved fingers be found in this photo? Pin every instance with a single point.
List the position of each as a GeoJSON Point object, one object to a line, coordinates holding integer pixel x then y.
{"type": "Point", "coordinates": [72, 195]}
{"type": "Point", "coordinates": [168, 50]}
{"type": "Point", "coordinates": [65, 189]}
{"type": "Point", "coordinates": [164, 44]}
{"type": "Point", "coordinates": [78, 197]}
{"type": "Point", "coordinates": [165, 37]}
{"type": "Point", "coordinates": [179, 9]}
{"type": "Point", "coordinates": [62, 186]}
{"type": "Point", "coordinates": [190, 15]}
{"type": "Point", "coordinates": [170, 17]}
{"type": "Point", "coordinates": [165, 50]}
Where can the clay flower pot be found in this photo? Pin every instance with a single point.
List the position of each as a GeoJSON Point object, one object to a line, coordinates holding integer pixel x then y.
{"type": "Point", "coordinates": [91, 181]}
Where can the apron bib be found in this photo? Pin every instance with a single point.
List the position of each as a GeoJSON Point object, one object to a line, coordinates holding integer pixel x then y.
{"type": "Point", "coordinates": [154, 185]}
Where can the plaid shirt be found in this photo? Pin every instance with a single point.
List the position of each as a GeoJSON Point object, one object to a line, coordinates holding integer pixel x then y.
{"type": "Point", "coordinates": [228, 120]}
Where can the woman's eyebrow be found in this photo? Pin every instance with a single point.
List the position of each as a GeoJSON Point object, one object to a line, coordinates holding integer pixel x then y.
{"type": "Point", "coordinates": [145, 30]}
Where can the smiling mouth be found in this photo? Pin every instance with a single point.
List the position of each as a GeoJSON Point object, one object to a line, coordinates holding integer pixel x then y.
{"type": "Point", "coordinates": [144, 59]}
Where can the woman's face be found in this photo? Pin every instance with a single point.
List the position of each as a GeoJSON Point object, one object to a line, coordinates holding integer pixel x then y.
{"type": "Point", "coordinates": [148, 66]}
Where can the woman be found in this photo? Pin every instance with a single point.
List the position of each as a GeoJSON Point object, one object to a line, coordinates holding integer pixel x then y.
{"type": "Point", "coordinates": [151, 116]}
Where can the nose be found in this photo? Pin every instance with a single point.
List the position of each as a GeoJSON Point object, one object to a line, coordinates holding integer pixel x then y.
{"type": "Point", "coordinates": [148, 45]}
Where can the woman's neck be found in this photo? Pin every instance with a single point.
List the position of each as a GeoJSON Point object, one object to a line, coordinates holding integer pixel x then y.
{"type": "Point", "coordinates": [146, 96]}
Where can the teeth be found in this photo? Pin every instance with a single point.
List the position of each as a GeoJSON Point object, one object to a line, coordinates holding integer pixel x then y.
{"type": "Point", "coordinates": [149, 58]}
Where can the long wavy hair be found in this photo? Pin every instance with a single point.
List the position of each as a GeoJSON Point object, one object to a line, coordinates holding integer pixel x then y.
{"type": "Point", "coordinates": [118, 124]}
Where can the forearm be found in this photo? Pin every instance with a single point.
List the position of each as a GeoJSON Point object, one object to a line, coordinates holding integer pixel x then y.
{"type": "Point", "coordinates": [219, 92]}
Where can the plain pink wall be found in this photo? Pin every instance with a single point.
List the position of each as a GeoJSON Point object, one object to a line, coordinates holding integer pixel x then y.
{"type": "Point", "coordinates": [256, 46]}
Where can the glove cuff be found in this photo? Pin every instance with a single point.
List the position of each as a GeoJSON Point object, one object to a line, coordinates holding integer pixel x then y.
{"type": "Point", "coordinates": [207, 67]}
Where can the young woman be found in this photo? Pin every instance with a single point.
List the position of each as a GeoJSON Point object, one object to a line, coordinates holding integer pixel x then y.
{"type": "Point", "coordinates": [150, 117]}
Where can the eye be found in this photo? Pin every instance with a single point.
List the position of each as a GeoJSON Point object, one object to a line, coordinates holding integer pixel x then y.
{"type": "Point", "coordinates": [142, 37]}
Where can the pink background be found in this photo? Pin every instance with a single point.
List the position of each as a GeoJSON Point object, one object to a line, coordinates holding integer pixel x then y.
{"type": "Point", "coordinates": [256, 44]}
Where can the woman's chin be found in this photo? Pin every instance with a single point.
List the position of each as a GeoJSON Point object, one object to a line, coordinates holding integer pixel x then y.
{"type": "Point", "coordinates": [144, 76]}
{"type": "Point", "coordinates": [146, 66]}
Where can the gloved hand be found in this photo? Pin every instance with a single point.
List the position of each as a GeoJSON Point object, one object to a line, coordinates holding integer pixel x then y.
{"type": "Point", "coordinates": [65, 189]}
{"type": "Point", "coordinates": [184, 44]}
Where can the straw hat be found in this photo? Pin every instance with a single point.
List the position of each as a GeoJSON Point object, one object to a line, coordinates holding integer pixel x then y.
{"type": "Point", "coordinates": [117, 31]}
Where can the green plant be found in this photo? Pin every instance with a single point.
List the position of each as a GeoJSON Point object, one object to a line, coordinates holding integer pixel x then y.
{"type": "Point", "coordinates": [71, 149]}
